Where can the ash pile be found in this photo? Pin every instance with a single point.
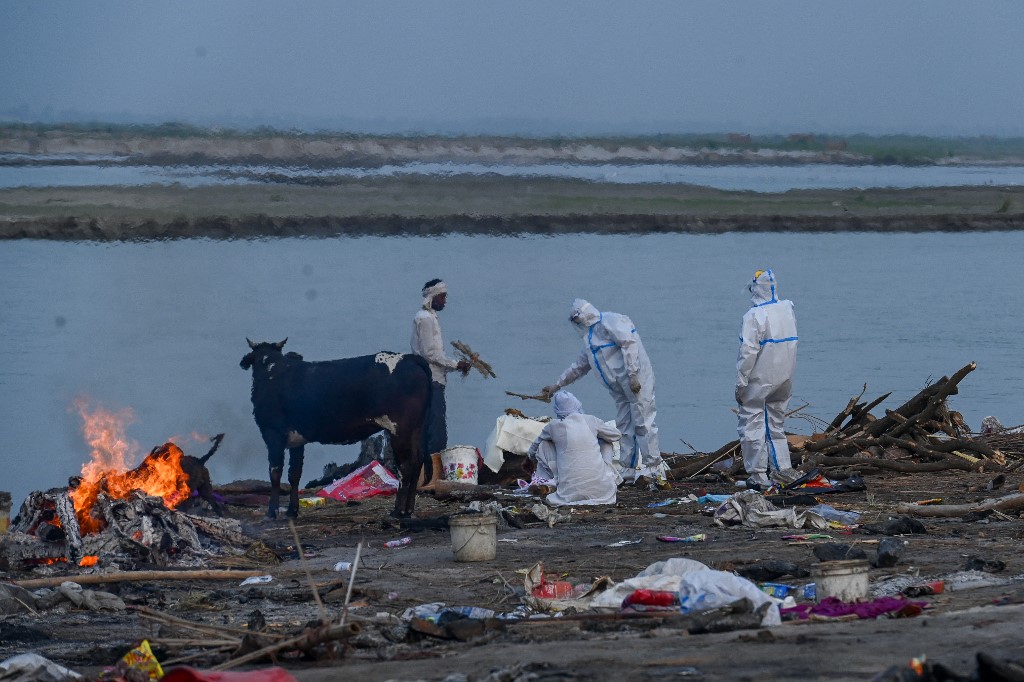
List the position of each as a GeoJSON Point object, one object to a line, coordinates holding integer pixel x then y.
{"type": "Point", "coordinates": [159, 514]}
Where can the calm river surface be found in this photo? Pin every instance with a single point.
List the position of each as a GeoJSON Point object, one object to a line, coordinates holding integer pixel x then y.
{"type": "Point", "coordinates": [747, 177]}
{"type": "Point", "coordinates": [160, 328]}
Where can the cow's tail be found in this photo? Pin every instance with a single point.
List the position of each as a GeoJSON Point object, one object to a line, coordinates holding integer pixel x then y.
{"type": "Point", "coordinates": [216, 444]}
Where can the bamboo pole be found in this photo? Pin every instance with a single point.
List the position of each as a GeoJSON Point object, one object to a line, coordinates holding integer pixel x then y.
{"type": "Point", "coordinates": [127, 576]}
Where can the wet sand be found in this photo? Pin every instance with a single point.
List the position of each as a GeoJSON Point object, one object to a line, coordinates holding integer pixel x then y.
{"type": "Point", "coordinates": [956, 625]}
{"type": "Point", "coordinates": [487, 205]}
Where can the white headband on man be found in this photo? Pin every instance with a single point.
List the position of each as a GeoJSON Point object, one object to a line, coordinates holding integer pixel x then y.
{"type": "Point", "coordinates": [430, 292]}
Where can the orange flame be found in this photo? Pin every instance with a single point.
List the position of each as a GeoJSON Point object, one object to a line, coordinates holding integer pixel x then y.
{"type": "Point", "coordinates": [108, 472]}
{"type": "Point", "coordinates": [90, 560]}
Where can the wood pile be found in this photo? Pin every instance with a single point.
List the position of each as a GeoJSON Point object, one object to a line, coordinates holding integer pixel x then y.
{"type": "Point", "coordinates": [921, 435]}
{"type": "Point", "coordinates": [139, 530]}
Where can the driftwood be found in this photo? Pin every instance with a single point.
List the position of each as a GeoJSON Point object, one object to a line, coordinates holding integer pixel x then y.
{"type": "Point", "coordinates": [692, 466]}
{"type": "Point", "coordinates": [1010, 503]}
{"type": "Point", "coordinates": [862, 463]}
{"type": "Point", "coordinates": [133, 576]}
{"type": "Point", "coordinates": [310, 639]}
{"type": "Point", "coordinates": [466, 353]}
{"type": "Point", "coordinates": [544, 398]}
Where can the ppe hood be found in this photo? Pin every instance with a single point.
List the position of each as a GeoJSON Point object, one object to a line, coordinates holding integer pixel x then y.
{"type": "Point", "coordinates": [583, 314]}
{"type": "Point", "coordinates": [764, 288]}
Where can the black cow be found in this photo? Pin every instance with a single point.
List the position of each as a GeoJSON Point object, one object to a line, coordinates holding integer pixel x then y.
{"type": "Point", "coordinates": [338, 402]}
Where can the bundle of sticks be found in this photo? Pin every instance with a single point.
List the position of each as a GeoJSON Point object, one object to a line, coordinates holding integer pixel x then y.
{"type": "Point", "coordinates": [922, 429]}
{"type": "Point", "coordinates": [921, 435]}
{"type": "Point", "coordinates": [466, 353]}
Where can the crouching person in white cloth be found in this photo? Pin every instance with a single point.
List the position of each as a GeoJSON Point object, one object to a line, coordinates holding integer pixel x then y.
{"type": "Point", "coordinates": [574, 453]}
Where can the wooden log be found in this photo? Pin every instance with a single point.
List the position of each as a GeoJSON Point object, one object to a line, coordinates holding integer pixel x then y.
{"type": "Point", "coordinates": [817, 460]}
{"type": "Point", "coordinates": [129, 576]}
{"type": "Point", "coordinates": [862, 412]}
{"type": "Point", "coordinates": [68, 521]}
{"type": "Point", "coordinates": [696, 465]}
{"type": "Point", "coordinates": [306, 641]}
{"type": "Point", "coordinates": [946, 388]}
{"type": "Point", "coordinates": [1010, 503]}
{"type": "Point", "coordinates": [847, 411]}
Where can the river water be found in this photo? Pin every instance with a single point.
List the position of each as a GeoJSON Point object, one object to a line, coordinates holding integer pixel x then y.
{"type": "Point", "coordinates": [160, 328]}
{"type": "Point", "coordinates": [748, 177]}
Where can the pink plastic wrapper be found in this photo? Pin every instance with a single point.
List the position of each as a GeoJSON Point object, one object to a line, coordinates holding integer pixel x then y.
{"type": "Point", "coordinates": [366, 481]}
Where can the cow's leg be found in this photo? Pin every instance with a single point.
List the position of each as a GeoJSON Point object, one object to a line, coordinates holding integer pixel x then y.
{"type": "Point", "coordinates": [407, 447]}
{"type": "Point", "coordinates": [275, 457]}
{"type": "Point", "coordinates": [295, 457]}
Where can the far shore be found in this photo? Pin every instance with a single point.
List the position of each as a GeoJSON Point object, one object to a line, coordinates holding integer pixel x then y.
{"type": "Point", "coordinates": [412, 206]}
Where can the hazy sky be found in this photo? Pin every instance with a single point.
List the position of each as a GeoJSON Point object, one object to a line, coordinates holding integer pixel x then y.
{"type": "Point", "coordinates": [879, 66]}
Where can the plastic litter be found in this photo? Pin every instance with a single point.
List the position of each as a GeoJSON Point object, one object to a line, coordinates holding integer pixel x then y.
{"type": "Point", "coordinates": [777, 590]}
{"type": "Point", "coordinates": [366, 481]}
{"type": "Point", "coordinates": [623, 543]}
{"type": "Point", "coordinates": [34, 667]}
{"type": "Point", "coordinates": [660, 599]}
{"type": "Point", "coordinates": [924, 589]}
{"type": "Point", "coordinates": [257, 580]}
{"type": "Point", "coordinates": [186, 674]}
{"type": "Point", "coordinates": [343, 566]}
{"type": "Point", "coordinates": [699, 537]}
{"type": "Point", "coordinates": [830, 513]}
{"type": "Point", "coordinates": [699, 588]}
{"type": "Point", "coordinates": [401, 542]}
{"type": "Point", "coordinates": [141, 660]}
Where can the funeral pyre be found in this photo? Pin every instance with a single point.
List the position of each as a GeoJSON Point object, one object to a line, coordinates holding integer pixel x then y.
{"type": "Point", "coordinates": [130, 517]}
{"type": "Point", "coordinates": [921, 435]}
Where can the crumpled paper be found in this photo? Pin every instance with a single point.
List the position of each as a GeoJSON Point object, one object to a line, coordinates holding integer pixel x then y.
{"type": "Point", "coordinates": [750, 508]}
{"type": "Point", "coordinates": [93, 600]}
{"type": "Point", "coordinates": [36, 668]}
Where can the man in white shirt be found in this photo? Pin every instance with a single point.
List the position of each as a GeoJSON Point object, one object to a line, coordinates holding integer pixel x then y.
{"type": "Point", "coordinates": [428, 344]}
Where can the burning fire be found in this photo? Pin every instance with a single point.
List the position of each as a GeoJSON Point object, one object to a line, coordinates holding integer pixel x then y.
{"type": "Point", "coordinates": [108, 472]}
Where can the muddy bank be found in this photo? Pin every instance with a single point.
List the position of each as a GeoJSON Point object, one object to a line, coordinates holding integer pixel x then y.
{"type": "Point", "coordinates": [956, 624]}
{"type": "Point", "coordinates": [222, 227]}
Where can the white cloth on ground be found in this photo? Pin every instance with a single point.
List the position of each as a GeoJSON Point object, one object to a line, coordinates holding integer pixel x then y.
{"type": "Point", "coordinates": [699, 587]}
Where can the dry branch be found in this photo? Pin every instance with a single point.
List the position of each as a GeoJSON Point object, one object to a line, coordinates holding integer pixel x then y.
{"type": "Point", "coordinates": [1010, 503]}
{"type": "Point", "coordinates": [474, 359]}
{"type": "Point", "coordinates": [130, 576]}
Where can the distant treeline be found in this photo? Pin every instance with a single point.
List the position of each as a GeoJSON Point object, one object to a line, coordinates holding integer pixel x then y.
{"type": "Point", "coordinates": [884, 149]}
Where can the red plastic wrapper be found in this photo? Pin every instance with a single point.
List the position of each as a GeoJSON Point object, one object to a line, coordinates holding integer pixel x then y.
{"type": "Point", "coordinates": [658, 598]}
{"type": "Point", "coordinates": [556, 589]}
{"type": "Point", "coordinates": [187, 674]}
{"type": "Point", "coordinates": [366, 481]}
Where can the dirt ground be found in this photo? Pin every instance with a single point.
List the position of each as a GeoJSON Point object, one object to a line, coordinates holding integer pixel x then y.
{"type": "Point", "coordinates": [956, 626]}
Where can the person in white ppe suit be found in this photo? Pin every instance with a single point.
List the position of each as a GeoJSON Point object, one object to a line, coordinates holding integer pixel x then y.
{"type": "Point", "coordinates": [764, 382]}
{"type": "Point", "coordinates": [613, 349]}
{"type": "Point", "coordinates": [574, 453]}
{"type": "Point", "coordinates": [427, 343]}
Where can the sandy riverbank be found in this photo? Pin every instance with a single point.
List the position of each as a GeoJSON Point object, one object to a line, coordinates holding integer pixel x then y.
{"type": "Point", "coordinates": [956, 626]}
{"type": "Point", "coordinates": [487, 205]}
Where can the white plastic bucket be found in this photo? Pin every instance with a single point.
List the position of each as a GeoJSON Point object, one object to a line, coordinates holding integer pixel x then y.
{"type": "Point", "coordinates": [460, 463]}
{"type": "Point", "coordinates": [474, 536]}
{"type": "Point", "coordinates": [845, 580]}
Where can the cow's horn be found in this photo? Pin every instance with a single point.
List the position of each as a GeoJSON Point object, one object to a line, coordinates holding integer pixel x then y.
{"type": "Point", "coordinates": [251, 344]}
{"type": "Point", "coordinates": [280, 344]}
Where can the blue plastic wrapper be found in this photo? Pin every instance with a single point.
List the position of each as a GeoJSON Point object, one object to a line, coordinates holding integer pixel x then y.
{"type": "Point", "coordinates": [777, 590]}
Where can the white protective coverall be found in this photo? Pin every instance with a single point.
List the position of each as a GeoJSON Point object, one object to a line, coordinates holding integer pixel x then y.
{"type": "Point", "coordinates": [612, 347]}
{"type": "Point", "coordinates": [764, 378]}
{"type": "Point", "coordinates": [574, 452]}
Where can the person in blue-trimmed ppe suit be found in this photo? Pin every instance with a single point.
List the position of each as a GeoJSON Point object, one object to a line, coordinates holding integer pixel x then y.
{"type": "Point", "coordinates": [613, 349]}
{"type": "Point", "coordinates": [764, 382]}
